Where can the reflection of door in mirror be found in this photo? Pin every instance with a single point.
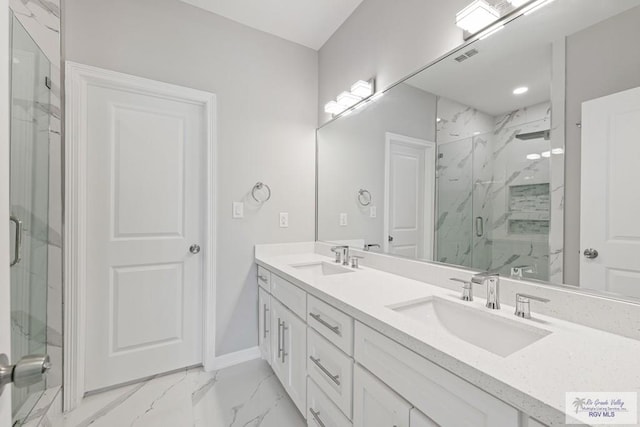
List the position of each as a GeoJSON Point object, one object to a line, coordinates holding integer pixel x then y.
{"type": "Point", "coordinates": [610, 197]}
{"type": "Point", "coordinates": [409, 196]}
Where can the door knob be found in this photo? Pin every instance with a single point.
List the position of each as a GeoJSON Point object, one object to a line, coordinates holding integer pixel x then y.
{"type": "Point", "coordinates": [391, 238]}
{"type": "Point", "coordinates": [28, 371]}
{"type": "Point", "coordinates": [194, 249]}
{"type": "Point", "coordinates": [590, 253]}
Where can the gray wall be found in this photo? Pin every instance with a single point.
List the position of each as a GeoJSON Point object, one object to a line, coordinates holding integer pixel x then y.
{"type": "Point", "coordinates": [601, 60]}
{"type": "Point", "coordinates": [388, 40]}
{"type": "Point", "coordinates": [267, 114]}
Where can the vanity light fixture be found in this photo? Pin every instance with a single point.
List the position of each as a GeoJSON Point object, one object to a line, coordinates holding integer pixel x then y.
{"type": "Point", "coordinates": [520, 90]}
{"type": "Point", "coordinates": [478, 15]}
{"type": "Point", "coordinates": [360, 90]}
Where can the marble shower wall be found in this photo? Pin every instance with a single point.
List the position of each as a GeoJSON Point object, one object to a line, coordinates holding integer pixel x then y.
{"type": "Point", "coordinates": [494, 204]}
{"type": "Point", "coordinates": [41, 19]}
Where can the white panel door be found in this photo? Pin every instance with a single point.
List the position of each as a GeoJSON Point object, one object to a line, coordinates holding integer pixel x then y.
{"type": "Point", "coordinates": [610, 203]}
{"type": "Point", "coordinates": [145, 185]}
{"type": "Point", "coordinates": [409, 196]}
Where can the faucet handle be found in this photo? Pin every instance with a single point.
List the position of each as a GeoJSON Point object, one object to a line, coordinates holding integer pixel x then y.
{"type": "Point", "coordinates": [523, 304]}
{"type": "Point", "coordinates": [355, 261]}
{"type": "Point", "coordinates": [467, 288]}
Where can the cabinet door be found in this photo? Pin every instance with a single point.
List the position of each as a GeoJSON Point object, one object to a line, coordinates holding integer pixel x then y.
{"type": "Point", "coordinates": [264, 324]}
{"type": "Point", "coordinates": [278, 363]}
{"type": "Point", "coordinates": [294, 338]}
{"type": "Point", "coordinates": [375, 404]}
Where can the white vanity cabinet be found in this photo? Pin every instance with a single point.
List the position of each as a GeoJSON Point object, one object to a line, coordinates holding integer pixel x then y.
{"type": "Point", "coordinates": [375, 404]}
{"type": "Point", "coordinates": [264, 324]}
{"type": "Point", "coordinates": [288, 352]}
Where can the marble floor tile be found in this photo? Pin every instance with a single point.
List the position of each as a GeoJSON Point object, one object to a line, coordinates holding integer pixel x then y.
{"type": "Point", "coordinates": [245, 395]}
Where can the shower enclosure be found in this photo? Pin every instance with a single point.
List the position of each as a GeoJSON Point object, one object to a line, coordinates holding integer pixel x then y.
{"type": "Point", "coordinates": [29, 182]}
{"type": "Point", "coordinates": [493, 209]}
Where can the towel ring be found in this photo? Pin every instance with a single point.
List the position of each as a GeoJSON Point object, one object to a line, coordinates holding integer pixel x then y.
{"type": "Point", "coordinates": [364, 197]}
{"type": "Point", "coordinates": [259, 186]}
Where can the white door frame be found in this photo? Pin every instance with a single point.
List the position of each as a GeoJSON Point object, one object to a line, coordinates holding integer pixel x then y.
{"type": "Point", "coordinates": [78, 77]}
{"type": "Point", "coordinates": [429, 229]}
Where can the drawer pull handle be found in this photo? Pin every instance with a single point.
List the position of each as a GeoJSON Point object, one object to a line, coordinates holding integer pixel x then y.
{"type": "Point", "coordinates": [316, 417]}
{"type": "Point", "coordinates": [264, 321]}
{"type": "Point", "coordinates": [279, 339]}
{"type": "Point", "coordinates": [334, 329]}
{"type": "Point", "coordinates": [334, 378]}
{"type": "Point", "coordinates": [263, 278]}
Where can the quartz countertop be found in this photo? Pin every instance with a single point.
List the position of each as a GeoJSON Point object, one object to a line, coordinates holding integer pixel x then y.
{"type": "Point", "coordinates": [534, 379]}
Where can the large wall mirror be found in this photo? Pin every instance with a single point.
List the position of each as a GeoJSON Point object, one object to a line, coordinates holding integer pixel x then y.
{"type": "Point", "coordinates": [518, 153]}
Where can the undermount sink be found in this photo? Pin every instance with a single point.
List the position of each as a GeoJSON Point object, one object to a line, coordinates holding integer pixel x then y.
{"type": "Point", "coordinates": [496, 334]}
{"type": "Point", "coordinates": [322, 268]}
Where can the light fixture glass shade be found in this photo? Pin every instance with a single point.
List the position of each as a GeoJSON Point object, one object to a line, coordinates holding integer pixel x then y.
{"type": "Point", "coordinates": [332, 107]}
{"type": "Point", "coordinates": [347, 99]}
{"type": "Point", "coordinates": [476, 16]}
{"type": "Point", "coordinates": [362, 89]}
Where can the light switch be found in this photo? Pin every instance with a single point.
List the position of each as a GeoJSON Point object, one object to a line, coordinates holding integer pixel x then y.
{"type": "Point", "coordinates": [373, 212]}
{"type": "Point", "coordinates": [343, 220]}
{"type": "Point", "coordinates": [284, 219]}
{"type": "Point", "coordinates": [238, 210]}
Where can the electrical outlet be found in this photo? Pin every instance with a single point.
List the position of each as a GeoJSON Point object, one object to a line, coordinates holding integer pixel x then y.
{"type": "Point", "coordinates": [238, 210]}
{"type": "Point", "coordinates": [343, 220]}
{"type": "Point", "coordinates": [284, 219]}
{"type": "Point", "coordinates": [373, 212]}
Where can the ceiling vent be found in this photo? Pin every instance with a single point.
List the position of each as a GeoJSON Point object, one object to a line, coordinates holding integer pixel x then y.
{"type": "Point", "coordinates": [468, 54]}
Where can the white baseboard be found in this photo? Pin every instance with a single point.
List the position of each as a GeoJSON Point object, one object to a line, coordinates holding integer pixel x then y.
{"type": "Point", "coordinates": [236, 358]}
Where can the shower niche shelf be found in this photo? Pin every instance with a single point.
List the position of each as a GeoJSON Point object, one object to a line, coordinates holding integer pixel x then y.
{"type": "Point", "coordinates": [529, 209]}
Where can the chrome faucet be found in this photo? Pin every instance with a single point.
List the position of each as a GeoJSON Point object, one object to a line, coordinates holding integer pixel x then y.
{"type": "Point", "coordinates": [342, 254]}
{"type": "Point", "coordinates": [492, 281]}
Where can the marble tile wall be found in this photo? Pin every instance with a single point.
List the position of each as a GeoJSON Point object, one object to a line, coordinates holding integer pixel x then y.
{"type": "Point", "coordinates": [483, 168]}
{"type": "Point", "coordinates": [41, 19]}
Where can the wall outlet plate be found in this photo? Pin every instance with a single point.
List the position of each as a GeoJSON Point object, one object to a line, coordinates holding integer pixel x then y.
{"type": "Point", "coordinates": [284, 219]}
{"type": "Point", "coordinates": [343, 220]}
{"type": "Point", "coordinates": [238, 210]}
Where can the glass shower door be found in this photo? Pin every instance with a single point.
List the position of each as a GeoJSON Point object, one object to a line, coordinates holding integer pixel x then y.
{"type": "Point", "coordinates": [29, 208]}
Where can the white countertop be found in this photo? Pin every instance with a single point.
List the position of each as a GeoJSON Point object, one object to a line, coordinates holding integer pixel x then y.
{"type": "Point", "coordinates": [534, 379]}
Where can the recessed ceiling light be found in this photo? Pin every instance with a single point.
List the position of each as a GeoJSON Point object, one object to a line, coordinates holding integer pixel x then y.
{"type": "Point", "coordinates": [438, 119]}
{"type": "Point", "coordinates": [533, 156]}
{"type": "Point", "coordinates": [520, 90]}
{"type": "Point", "coordinates": [557, 151]}
{"type": "Point", "coordinates": [546, 154]}
{"type": "Point", "coordinates": [476, 133]}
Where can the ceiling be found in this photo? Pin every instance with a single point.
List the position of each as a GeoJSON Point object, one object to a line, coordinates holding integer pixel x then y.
{"type": "Point", "coordinates": [306, 22]}
{"type": "Point", "coordinates": [520, 55]}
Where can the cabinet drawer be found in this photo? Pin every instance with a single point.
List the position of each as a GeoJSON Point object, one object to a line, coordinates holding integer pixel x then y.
{"type": "Point", "coordinates": [375, 404]}
{"type": "Point", "coordinates": [331, 369]}
{"type": "Point", "coordinates": [321, 411]}
{"type": "Point", "coordinates": [444, 397]}
{"type": "Point", "coordinates": [294, 298]}
{"type": "Point", "coordinates": [331, 323]}
{"type": "Point", "coordinates": [264, 278]}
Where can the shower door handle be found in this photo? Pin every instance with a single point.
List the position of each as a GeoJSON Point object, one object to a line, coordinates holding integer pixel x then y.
{"type": "Point", "coordinates": [17, 256]}
{"type": "Point", "coordinates": [479, 226]}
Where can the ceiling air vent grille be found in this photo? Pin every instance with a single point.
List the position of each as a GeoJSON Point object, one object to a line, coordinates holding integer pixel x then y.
{"type": "Point", "coordinates": [468, 54]}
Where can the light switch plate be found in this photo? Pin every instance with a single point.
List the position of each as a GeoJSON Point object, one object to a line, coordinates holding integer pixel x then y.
{"type": "Point", "coordinates": [373, 212]}
{"type": "Point", "coordinates": [238, 210]}
{"type": "Point", "coordinates": [343, 220]}
{"type": "Point", "coordinates": [284, 219]}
